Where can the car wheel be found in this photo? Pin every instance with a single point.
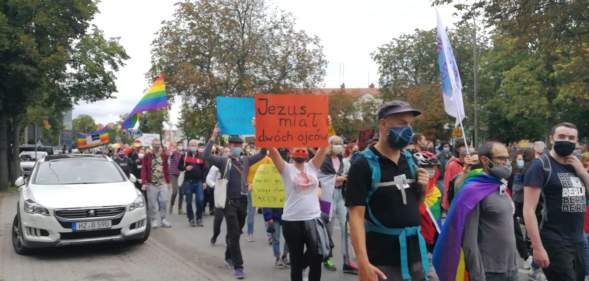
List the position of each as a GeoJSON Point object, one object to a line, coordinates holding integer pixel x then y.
{"type": "Point", "coordinates": [17, 238]}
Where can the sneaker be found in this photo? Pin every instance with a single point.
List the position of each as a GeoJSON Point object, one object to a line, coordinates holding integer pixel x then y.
{"type": "Point", "coordinates": [250, 238]}
{"type": "Point", "coordinates": [536, 275]}
{"type": "Point", "coordinates": [166, 223]}
{"type": "Point", "coordinates": [155, 224]}
{"type": "Point", "coordinates": [199, 223]}
{"type": "Point", "coordinates": [526, 265]}
{"type": "Point", "coordinates": [229, 264]}
{"type": "Point", "coordinates": [192, 223]}
{"type": "Point", "coordinates": [350, 268]}
{"type": "Point", "coordinates": [285, 261]}
{"type": "Point", "coordinates": [329, 265]}
{"type": "Point", "coordinates": [238, 273]}
{"type": "Point", "coordinates": [278, 264]}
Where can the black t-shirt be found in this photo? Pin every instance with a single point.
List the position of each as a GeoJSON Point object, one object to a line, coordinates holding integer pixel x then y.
{"type": "Point", "coordinates": [387, 206]}
{"type": "Point", "coordinates": [564, 201]}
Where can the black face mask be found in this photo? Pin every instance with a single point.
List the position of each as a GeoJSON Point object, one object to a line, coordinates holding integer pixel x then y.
{"type": "Point", "coordinates": [299, 159]}
{"type": "Point", "coordinates": [564, 148]}
{"type": "Point", "coordinates": [500, 171]}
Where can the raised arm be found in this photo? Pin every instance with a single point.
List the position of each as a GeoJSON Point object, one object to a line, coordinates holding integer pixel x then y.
{"type": "Point", "coordinates": [208, 154]}
{"type": "Point", "coordinates": [257, 157]}
{"type": "Point", "coordinates": [277, 159]}
{"type": "Point", "coordinates": [319, 157]}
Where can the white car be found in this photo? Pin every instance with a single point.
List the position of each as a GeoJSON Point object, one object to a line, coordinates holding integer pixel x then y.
{"type": "Point", "coordinates": [78, 199]}
{"type": "Point", "coordinates": [28, 160]}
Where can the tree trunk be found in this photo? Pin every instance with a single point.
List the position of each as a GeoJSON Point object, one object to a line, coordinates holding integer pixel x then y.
{"type": "Point", "coordinates": [4, 180]}
{"type": "Point", "coordinates": [14, 133]}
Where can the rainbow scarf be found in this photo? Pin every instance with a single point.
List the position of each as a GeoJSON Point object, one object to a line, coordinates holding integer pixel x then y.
{"type": "Point", "coordinates": [448, 258]}
{"type": "Point", "coordinates": [155, 98]}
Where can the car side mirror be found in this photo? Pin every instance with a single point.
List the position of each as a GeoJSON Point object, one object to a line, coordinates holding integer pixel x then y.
{"type": "Point", "coordinates": [20, 181]}
{"type": "Point", "coordinates": [132, 178]}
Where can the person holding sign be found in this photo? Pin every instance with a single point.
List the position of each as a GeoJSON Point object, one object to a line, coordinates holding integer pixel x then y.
{"type": "Point", "coordinates": [302, 226]}
{"type": "Point", "coordinates": [383, 194]}
{"type": "Point", "coordinates": [236, 202]}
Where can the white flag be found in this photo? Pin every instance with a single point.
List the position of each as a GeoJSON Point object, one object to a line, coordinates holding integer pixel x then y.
{"type": "Point", "coordinates": [449, 74]}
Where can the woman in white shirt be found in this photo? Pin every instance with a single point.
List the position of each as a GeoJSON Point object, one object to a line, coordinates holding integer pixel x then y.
{"type": "Point", "coordinates": [301, 210]}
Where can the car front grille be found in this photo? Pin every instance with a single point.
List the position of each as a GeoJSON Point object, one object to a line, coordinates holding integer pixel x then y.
{"type": "Point", "coordinates": [89, 234]}
{"type": "Point", "coordinates": [68, 224]}
{"type": "Point", "coordinates": [89, 213]}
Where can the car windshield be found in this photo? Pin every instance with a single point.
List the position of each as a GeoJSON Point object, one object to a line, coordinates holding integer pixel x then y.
{"type": "Point", "coordinates": [78, 171]}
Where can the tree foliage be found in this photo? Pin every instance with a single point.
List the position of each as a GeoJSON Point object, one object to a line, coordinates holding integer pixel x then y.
{"type": "Point", "coordinates": [84, 124]}
{"type": "Point", "coordinates": [153, 121]}
{"type": "Point", "coordinates": [51, 57]}
{"type": "Point", "coordinates": [536, 72]}
{"type": "Point", "coordinates": [216, 48]}
{"type": "Point", "coordinates": [408, 70]}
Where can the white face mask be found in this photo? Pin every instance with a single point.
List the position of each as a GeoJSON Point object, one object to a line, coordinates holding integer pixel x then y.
{"type": "Point", "coordinates": [337, 149]}
{"type": "Point", "coordinates": [140, 155]}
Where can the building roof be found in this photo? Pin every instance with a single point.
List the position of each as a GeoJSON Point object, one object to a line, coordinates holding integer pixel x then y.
{"type": "Point", "coordinates": [355, 92]}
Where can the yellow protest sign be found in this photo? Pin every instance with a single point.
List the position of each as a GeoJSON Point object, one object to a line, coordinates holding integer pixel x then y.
{"type": "Point", "coordinates": [267, 188]}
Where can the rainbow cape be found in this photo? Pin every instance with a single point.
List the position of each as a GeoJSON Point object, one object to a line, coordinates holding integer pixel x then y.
{"type": "Point", "coordinates": [155, 98]}
{"type": "Point", "coordinates": [448, 258]}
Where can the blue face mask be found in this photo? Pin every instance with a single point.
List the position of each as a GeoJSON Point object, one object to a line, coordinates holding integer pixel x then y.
{"type": "Point", "coordinates": [235, 151]}
{"type": "Point", "coordinates": [400, 137]}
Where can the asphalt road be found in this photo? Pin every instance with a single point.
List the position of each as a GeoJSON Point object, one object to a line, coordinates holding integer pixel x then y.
{"type": "Point", "coordinates": [179, 253]}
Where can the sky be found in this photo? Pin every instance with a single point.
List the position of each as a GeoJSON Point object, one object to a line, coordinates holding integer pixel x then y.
{"type": "Point", "coordinates": [349, 32]}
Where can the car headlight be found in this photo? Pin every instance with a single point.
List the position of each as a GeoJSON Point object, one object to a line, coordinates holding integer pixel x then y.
{"type": "Point", "coordinates": [138, 203]}
{"type": "Point", "coordinates": [33, 207]}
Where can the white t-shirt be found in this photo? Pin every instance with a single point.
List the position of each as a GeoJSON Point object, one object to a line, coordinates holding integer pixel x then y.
{"type": "Point", "coordinates": [302, 202]}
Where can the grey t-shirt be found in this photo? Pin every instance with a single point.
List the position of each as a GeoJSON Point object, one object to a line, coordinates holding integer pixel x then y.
{"type": "Point", "coordinates": [489, 239]}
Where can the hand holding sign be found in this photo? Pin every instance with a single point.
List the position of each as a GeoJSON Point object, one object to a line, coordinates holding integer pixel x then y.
{"type": "Point", "coordinates": [291, 121]}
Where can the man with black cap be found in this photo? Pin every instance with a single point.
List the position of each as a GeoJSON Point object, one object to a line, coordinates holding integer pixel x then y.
{"type": "Point", "coordinates": [237, 167]}
{"type": "Point", "coordinates": [384, 191]}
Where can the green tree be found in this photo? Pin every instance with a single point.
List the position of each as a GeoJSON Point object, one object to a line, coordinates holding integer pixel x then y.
{"type": "Point", "coordinates": [50, 55]}
{"type": "Point", "coordinates": [535, 74]}
{"type": "Point", "coordinates": [216, 48]}
{"type": "Point", "coordinates": [153, 121]}
{"type": "Point", "coordinates": [408, 70]}
{"type": "Point", "coordinates": [84, 124]}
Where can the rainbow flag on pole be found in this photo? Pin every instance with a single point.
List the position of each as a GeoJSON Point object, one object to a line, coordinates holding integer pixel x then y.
{"type": "Point", "coordinates": [155, 98]}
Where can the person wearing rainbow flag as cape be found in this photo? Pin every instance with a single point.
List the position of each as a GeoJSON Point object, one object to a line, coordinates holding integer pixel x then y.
{"type": "Point", "coordinates": [477, 242]}
{"type": "Point", "coordinates": [385, 189]}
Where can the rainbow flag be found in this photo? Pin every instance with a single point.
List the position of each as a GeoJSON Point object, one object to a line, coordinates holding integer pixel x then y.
{"type": "Point", "coordinates": [155, 98]}
{"type": "Point", "coordinates": [448, 258]}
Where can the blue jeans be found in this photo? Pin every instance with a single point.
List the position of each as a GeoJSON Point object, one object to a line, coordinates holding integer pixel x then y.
{"type": "Point", "coordinates": [276, 240]}
{"type": "Point", "coordinates": [194, 187]}
{"type": "Point", "coordinates": [341, 212]}
{"type": "Point", "coordinates": [251, 213]}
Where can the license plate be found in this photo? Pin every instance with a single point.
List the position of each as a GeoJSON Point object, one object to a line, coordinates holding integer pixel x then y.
{"type": "Point", "coordinates": [90, 225]}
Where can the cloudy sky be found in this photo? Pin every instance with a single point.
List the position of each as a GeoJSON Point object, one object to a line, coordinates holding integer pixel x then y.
{"type": "Point", "coordinates": [349, 31]}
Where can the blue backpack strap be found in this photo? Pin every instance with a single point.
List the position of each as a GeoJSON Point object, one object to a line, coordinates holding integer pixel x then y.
{"type": "Point", "coordinates": [402, 234]}
{"type": "Point", "coordinates": [374, 225]}
{"type": "Point", "coordinates": [375, 180]}
{"type": "Point", "coordinates": [410, 163]}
